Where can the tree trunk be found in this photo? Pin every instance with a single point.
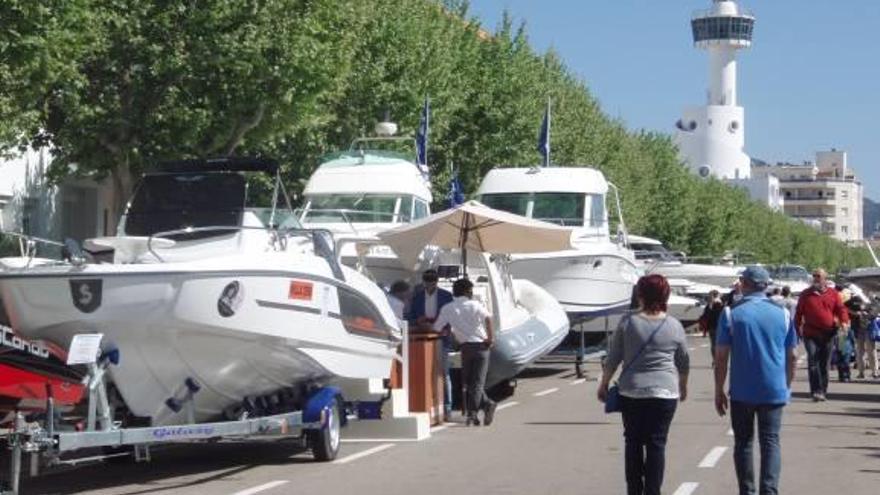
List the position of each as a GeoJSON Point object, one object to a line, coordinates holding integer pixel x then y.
{"type": "Point", "coordinates": [122, 188]}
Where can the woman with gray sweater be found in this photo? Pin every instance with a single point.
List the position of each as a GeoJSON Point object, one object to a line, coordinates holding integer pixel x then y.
{"type": "Point", "coordinates": [653, 349]}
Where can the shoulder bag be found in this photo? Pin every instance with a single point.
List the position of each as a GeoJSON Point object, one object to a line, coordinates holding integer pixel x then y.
{"type": "Point", "coordinates": [612, 399]}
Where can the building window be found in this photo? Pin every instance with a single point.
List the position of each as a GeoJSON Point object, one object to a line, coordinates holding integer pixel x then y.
{"type": "Point", "coordinates": [844, 229]}
{"type": "Point", "coordinates": [844, 193]}
{"type": "Point", "coordinates": [844, 212]}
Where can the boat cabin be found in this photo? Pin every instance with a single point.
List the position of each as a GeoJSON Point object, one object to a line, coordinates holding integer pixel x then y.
{"type": "Point", "coordinates": [366, 187]}
{"type": "Point", "coordinates": [567, 196]}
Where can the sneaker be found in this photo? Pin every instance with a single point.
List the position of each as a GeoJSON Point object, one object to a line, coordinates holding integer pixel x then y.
{"type": "Point", "coordinates": [822, 398]}
{"type": "Point", "coordinates": [472, 420]}
{"type": "Point", "coordinates": [489, 413]}
{"type": "Point", "coordinates": [816, 396]}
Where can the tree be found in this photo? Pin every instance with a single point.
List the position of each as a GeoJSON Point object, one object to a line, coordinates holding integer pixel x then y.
{"type": "Point", "coordinates": [169, 80]}
{"type": "Point", "coordinates": [40, 43]}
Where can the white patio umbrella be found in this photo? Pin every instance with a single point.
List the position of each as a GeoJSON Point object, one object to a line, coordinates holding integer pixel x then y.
{"type": "Point", "coordinates": [473, 226]}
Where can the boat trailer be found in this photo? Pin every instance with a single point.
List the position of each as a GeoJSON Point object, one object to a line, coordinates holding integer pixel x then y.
{"type": "Point", "coordinates": [317, 426]}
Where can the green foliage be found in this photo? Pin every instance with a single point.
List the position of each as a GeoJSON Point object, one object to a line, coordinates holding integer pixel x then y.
{"type": "Point", "coordinates": [117, 84]}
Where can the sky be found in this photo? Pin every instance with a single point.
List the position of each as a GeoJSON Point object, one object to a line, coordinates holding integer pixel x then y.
{"type": "Point", "coordinates": [810, 81]}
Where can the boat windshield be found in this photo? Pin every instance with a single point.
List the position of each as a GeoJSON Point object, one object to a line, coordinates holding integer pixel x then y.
{"type": "Point", "coordinates": [566, 209]}
{"type": "Point", "coordinates": [164, 202]}
{"type": "Point", "coordinates": [361, 208]}
{"type": "Point", "coordinates": [174, 201]}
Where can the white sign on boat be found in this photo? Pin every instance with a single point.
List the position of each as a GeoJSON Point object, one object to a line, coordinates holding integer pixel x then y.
{"type": "Point", "coordinates": [84, 348]}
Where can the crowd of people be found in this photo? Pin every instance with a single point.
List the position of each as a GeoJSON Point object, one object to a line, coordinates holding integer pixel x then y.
{"type": "Point", "coordinates": [754, 331]}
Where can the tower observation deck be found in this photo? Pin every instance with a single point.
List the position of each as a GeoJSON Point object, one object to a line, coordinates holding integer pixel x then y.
{"type": "Point", "coordinates": [711, 137]}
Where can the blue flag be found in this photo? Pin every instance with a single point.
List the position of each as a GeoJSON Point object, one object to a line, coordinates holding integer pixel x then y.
{"type": "Point", "coordinates": [455, 196]}
{"type": "Point", "coordinates": [544, 136]}
{"type": "Point", "coordinates": [422, 138]}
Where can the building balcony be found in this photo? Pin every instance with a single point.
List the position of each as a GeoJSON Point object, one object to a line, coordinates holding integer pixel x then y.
{"type": "Point", "coordinates": [795, 181]}
{"type": "Point", "coordinates": [810, 200]}
{"type": "Point", "coordinates": [821, 217]}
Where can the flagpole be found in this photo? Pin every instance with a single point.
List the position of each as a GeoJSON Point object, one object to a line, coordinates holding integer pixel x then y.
{"type": "Point", "coordinates": [549, 148]}
{"type": "Point", "coordinates": [427, 126]}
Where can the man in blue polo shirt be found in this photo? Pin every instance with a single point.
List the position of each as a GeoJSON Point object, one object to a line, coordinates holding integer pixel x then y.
{"type": "Point", "coordinates": [758, 338]}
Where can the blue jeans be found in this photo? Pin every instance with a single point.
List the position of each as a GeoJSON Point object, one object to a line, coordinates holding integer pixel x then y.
{"type": "Point", "coordinates": [447, 380]}
{"type": "Point", "coordinates": [645, 428]}
{"type": "Point", "coordinates": [742, 418]}
{"type": "Point", "coordinates": [818, 354]}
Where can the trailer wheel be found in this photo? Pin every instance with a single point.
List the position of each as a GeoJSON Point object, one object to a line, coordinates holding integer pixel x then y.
{"type": "Point", "coordinates": [325, 442]}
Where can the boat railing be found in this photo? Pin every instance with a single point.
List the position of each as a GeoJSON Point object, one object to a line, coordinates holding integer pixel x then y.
{"type": "Point", "coordinates": [322, 240]}
{"type": "Point", "coordinates": [27, 244]}
{"type": "Point", "coordinates": [347, 213]}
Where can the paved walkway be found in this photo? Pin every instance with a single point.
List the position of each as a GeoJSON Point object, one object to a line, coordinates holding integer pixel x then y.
{"type": "Point", "coordinates": [550, 438]}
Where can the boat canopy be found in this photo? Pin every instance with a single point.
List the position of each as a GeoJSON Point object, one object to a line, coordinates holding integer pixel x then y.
{"type": "Point", "coordinates": [582, 180]}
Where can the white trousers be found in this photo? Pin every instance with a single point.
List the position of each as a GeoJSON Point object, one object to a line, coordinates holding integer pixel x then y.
{"type": "Point", "coordinates": [866, 355]}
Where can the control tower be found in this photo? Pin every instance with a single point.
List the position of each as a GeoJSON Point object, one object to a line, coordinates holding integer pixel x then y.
{"type": "Point", "coordinates": [711, 137]}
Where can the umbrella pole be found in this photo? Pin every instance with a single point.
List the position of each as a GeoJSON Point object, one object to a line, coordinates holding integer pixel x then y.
{"type": "Point", "coordinates": [464, 238]}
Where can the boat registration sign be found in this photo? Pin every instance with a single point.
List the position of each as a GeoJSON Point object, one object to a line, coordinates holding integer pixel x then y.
{"type": "Point", "coordinates": [300, 290]}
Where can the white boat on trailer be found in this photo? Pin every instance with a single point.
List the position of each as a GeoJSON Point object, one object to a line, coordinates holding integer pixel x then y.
{"type": "Point", "coordinates": [215, 309]}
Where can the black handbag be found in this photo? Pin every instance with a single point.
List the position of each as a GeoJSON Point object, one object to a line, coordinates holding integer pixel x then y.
{"type": "Point", "coordinates": [612, 398]}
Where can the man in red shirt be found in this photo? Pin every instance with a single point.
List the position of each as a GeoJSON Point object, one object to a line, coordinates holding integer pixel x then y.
{"type": "Point", "coordinates": [818, 315]}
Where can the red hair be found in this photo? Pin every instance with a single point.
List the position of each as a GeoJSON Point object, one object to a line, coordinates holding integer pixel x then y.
{"type": "Point", "coordinates": [653, 291]}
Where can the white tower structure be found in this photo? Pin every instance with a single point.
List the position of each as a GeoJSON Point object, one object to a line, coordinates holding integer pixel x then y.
{"type": "Point", "coordinates": [711, 137]}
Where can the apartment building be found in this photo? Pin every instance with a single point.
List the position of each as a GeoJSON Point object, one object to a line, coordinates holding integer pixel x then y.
{"type": "Point", "coordinates": [825, 194]}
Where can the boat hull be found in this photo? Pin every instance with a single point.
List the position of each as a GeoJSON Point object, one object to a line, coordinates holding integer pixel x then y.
{"type": "Point", "coordinates": [168, 326]}
{"type": "Point", "coordinates": [590, 287]}
{"type": "Point", "coordinates": [521, 344]}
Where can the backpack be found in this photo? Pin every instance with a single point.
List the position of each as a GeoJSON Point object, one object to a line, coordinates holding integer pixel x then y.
{"type": "Point", "coordinates": [874, 329]}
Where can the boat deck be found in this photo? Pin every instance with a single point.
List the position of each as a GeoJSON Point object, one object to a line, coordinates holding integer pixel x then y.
{"type": "Point", "coordinates": [550, 437]}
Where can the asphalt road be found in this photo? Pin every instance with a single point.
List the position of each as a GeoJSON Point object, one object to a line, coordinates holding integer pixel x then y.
{"type": "Point", "coordinates": [551, 438]}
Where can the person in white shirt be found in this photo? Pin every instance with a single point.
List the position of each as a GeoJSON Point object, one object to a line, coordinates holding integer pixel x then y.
{"type": "Point", "coordinates": [398, 296]}
{"type": "Point", "coordinates": [471, 325]}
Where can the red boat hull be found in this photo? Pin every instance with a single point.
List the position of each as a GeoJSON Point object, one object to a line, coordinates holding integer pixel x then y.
{"type": "Point", "coordinates": [20, 384]}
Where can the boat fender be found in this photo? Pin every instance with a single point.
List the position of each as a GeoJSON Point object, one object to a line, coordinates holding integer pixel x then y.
{"type": "Point", "coordinates": [174, 404]}
{"type": "Point", "coordinates": [320, 400]}
{"type": "Point", "coordinates": [192, 385]}
{"type": "Point", "coordinates": [112, 356]}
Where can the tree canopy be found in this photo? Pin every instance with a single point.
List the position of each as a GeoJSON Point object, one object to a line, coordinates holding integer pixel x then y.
{"type": "Point", "coordinates": [115, 85]}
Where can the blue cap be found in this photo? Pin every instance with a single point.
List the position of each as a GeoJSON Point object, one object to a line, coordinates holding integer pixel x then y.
{"type": "Point", "coordinates": [756, 275]}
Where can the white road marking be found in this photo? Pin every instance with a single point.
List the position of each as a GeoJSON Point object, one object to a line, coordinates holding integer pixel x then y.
{"type": "Point", "coordinates": [704, 345]}
{"type": "Point", "coordinates": [692, 349]}
{"type": "Point", "coordinates": [359, 455]}
{"type": "Point", "coordinates": [265, 486]}
{"type": "Point", "coordinates": [712, 457]}
{"type": "Point", "coordinates": [545, 392]}
{"type": "Point", "coordinates": [506, 405]}
{"type": "Point", "coordinates": [686, 488]}
{"type": "Point", "coordinates": [579, 381]}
